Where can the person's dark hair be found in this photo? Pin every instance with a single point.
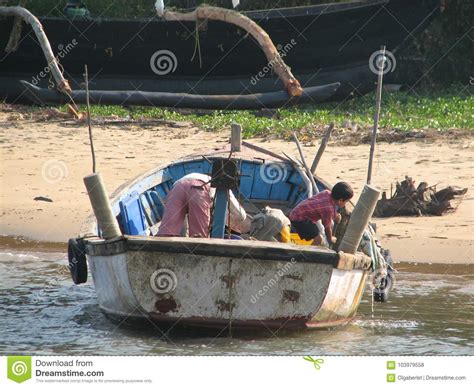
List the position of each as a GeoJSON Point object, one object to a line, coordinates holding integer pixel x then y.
{"type": "Point", "coordinates": [342, 190]}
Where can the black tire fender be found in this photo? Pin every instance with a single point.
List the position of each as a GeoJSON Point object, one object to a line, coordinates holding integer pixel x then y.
{"type": "Point", "coordinates": [76, 253]}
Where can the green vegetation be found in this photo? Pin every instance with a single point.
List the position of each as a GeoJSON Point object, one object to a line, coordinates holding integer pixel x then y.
{"type": "Point", "coordinates": [445, 110]}
{"type": "Point", "coordinates": [444, 48]}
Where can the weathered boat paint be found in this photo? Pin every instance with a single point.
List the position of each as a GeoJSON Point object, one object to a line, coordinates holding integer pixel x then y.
{"type": "Point", "coordinates": [342, 299]}
{"type": "Point", "coordinates": [217, 283]}
{"type": "Point", "coordinates": [198, 285]}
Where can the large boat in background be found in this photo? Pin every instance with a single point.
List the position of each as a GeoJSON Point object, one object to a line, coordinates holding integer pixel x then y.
{"type": "Point", "coordinates": [323, 44]}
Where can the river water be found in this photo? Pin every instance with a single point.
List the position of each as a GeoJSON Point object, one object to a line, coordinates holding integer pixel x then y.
{"type": "Point", "coordinates": [430, 312]}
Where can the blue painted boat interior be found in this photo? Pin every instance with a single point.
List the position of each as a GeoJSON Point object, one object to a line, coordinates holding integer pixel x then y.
{"type": "Point", "coordinates": [277, 185]}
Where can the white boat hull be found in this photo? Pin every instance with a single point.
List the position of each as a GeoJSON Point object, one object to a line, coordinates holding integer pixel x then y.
{"type": "Point", "coordinates": [208, 289]}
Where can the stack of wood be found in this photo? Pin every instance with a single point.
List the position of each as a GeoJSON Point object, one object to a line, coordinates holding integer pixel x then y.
{"type": "Point", "coordinates": [409, 200]}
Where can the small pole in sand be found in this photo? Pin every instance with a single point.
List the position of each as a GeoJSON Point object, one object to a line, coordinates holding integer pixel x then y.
{"type": "Point", "coordinates": [322, 147]}
{"type": "Point", "coordinates": [236, 137]}
{"type": "Point", "coordinates": [378, 99]}
{"type": "Point", "coordinates": [86, 79]}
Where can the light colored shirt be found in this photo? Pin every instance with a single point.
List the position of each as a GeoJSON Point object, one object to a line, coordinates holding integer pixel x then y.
{"type": "Point", "coordinates": [239, 220]}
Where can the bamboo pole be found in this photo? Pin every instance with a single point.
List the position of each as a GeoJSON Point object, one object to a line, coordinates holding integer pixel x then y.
{"type": "Point", "coordinates": [86, 79]}
{"type": "Point", "coordinates": [274, 58]}
{"type": "Point", "coordinates": [322, 148]}
{"type": "Point", "coordinates": [378, 100]}
{"type": "Point", "coordinates": [303, 160]}
{"type": "Point", "coordinates": [28, 17]}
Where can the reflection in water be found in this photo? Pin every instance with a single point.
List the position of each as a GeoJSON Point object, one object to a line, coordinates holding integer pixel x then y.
{"type": "Point", "coordinates": [430, 312]}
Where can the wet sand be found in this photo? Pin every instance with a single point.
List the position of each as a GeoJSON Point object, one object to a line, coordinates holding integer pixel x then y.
{"type": "Point", "coordinates": [49, 159]}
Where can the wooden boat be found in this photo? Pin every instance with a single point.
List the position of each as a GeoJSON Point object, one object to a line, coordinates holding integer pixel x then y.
{"type": "Point", "coordinates": [319, 43]}
{"type": "Point", "coordinates": [218, 283]}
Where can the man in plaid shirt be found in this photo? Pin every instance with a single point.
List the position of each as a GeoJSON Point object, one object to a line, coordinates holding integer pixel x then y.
{"type": "Point", "coordinates": [322, 206]}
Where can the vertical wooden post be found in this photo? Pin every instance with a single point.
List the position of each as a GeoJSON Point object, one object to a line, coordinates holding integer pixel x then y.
{"type": "Point", "coordinates": [220, 211]}
{"type": "Point", "coordinates": [101, 205]}
{"type": "Point", "coordinates": [378, 99]}
{"type": "Point", "coordinates": [86, 79]}
{"type": "Point", "coordinates": [322, 147]}
{"type": "Point", "coordinates": [236, 137]}
{"type": "Point", "coordinates": [359, 220]}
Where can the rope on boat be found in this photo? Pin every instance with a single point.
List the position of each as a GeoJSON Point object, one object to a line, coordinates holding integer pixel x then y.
{"type": "Point", "coordinates": [197, 45]}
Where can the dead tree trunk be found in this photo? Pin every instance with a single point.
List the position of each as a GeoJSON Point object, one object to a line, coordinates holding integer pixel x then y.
{"type": "Point", "coordinates": [291, 84]}
{"type": "Point", "coordinates": [423, 200]}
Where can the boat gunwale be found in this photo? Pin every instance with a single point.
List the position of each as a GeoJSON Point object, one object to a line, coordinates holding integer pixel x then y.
{"type": "Point", "coordinates": [235, 249]}
{"type": "Point", "coordinates": [232, 249]}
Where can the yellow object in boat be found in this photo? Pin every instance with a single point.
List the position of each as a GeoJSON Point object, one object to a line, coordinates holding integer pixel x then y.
{"type": "Point", "coordinates": [285, 235]}
{"type": "Point", "coordinates": [295, 239]}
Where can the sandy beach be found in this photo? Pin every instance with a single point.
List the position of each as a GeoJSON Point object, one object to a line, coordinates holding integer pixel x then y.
{"type": "Point", "coordinates": [49, 159]}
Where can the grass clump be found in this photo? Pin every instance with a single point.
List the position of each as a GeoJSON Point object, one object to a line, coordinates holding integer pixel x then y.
{"type": "Point", "coordinates": [421, 110]}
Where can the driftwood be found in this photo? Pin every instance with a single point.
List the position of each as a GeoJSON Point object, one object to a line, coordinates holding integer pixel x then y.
{"type": "Point", "coordinates": [422, 200]}
{"type": "Point", "coordinates": [28, 17]}
{"type": "Point", "coordinates": [274, 58]}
